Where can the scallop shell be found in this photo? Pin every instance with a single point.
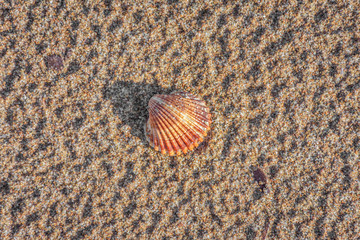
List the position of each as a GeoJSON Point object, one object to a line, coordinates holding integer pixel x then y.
{"type": "Point", "coordinates": [177, 122]}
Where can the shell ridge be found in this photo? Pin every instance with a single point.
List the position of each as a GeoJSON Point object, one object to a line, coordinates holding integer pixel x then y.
{"type": "Point", "coordinates": [168, 135]}
{"type": "Point", "coordinates": [157, 130]}
{"type": "Point", "coordinates": [193, 124]}
{"type": "Point", "coordinates": [171, 123]}
{"type": "Point", "coordinates": [200, 119]}
{"type": "Point", "coordinates": [161, 134]}
{"type": "Point", "coordinates": [190, 128]}
{"type": "Point", "coordinates": [153, 131]}
{"type": "Point", "coordinates": [157, 127]}
{"type": "Point", "coordinates": [197, 125]}
{"type": "Point", "coordinates": [198, 114]}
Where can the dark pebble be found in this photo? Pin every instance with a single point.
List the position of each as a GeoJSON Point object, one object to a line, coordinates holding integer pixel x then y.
{"type": "Point", "coordinates": [54, 62]}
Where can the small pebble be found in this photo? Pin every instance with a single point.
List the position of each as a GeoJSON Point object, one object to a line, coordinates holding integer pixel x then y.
{"type": "Point", "coordinates": [260, 178]}
{"type": "Point", "coordinates": [54, 62]}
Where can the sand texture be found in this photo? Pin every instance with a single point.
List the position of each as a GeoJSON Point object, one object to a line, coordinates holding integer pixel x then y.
{"type": "Point", "coordinates": [281, 79]}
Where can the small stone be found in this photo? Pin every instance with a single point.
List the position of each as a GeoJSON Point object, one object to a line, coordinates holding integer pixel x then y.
{"type": "Point", "coordinates": [54, 62]}
{"type": "Point", "coordinates": [260, 178]}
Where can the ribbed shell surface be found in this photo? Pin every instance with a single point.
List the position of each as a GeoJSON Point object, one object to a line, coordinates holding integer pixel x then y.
{"type": "Point", "coordinates": [177, 122]}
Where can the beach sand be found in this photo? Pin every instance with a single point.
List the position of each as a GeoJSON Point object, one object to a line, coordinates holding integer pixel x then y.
{"type": "Point", "coordinates": [282, 82]}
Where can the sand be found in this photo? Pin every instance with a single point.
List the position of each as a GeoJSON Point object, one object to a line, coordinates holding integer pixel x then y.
{"type": "Point", "coordinates": [281, 79]}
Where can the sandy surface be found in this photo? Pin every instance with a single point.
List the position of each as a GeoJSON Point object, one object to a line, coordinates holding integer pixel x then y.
{"type": "Point", "coordinates": [282, 82]}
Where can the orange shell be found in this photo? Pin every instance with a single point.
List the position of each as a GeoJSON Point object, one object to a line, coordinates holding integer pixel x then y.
{"type": "Point", "coordinates": [177, 122]}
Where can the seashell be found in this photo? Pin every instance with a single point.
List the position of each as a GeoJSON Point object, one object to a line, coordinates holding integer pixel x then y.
{"type": "Point", "coordinates": [177, 122]}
